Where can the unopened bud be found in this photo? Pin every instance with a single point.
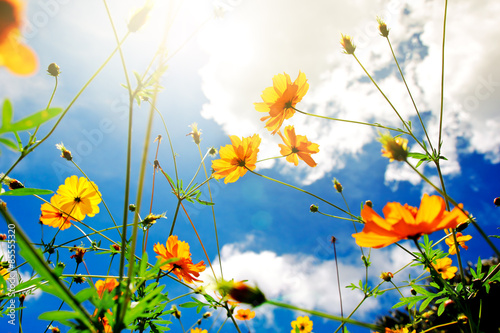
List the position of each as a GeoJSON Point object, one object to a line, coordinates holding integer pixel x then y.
{"type": "Point", "coordinates": [138, 19]}
{"type": "Point", "coordinates": [346, 42]}
{"type": "Point", "coordinates": [496, 201]}
{"type": "Point", "coordinates": [337, 185]}
{"type": "Point", "coordinates": [313, 208]}
{"type": "Point", "coordinates": [131, 207]}
{"type": "Point", "coordinates": [3, 236]}
{"type": "Point", "coordinates": [54, 70]}
{"type": "Point", "coordinates": [382, 27]}
{"type": "Point", "coordinates": [369, 203]}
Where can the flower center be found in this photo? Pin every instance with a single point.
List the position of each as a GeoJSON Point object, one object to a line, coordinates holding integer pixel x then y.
{"type": "Point", "coordinates": [289, 105]}
{"type": "Point", "coordinates": [241, 163]}
{"type": "Point", "coordinates": [78, 199]}
{"type": "Point", "coordinates": [295, 150]}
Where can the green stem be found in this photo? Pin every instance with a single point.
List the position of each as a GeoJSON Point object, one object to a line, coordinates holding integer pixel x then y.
{"type": "Point", "coordinates": [353, 122]}
{"type": "Point", "coordinates": [324, 315]}
{"type": "Point", "coordinates": [409, 92]}
{"type": "Point", "coordinates": [303, 191]}
{"type": "Point", "coordinates": [441, 112]}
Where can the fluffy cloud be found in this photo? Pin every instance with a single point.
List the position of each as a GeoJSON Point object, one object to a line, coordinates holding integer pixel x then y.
{"type": "Point", "coordinates": [258, 39]}
{"type": "Point", "coordinates": [304, 280]}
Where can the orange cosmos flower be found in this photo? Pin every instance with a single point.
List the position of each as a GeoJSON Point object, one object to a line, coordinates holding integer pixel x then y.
{"type": "Point", "coordinates": [79, 197]}
{"type": "Point", "coordinates": [244, 314]}
{"type": "Point", "coordinates": [297, 146]}
{"type": "Point", "coordinates": [303, 324]}
{"type": "Point", "coordinates": [105, 285]}
{"type": "Point", "coordinates": [183, 267]}
{"type": "Point", "coordinates": [52, 215]}
{"type": "Point", "coordinates": [461, 239]}
{"type": "Point", "coordinates": [17, 57]}
{"type": "Point", "coordinates": [443, 267]}
{"type": "Point", "coordinates": [402, 222]}
{"type": "Point", "coordinates": [281, 98]}
{"type": "Point", "coordinates": [236, 158]}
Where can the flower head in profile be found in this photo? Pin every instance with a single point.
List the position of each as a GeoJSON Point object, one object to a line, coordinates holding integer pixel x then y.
{"type": "Point", "coordinates": [399, 330]}
{"type": "Point", "coordinates": [53, 216]}
{"type": "Point", "coordinates": [394, 148]}
{"type": "Point", "coordinates": [304, 324]}
{"type": "Point", "coordinates": [297, 146]}
{"type": "Point", "coordinates": [195, 133]}
{"type": "Point", "coordinates": [236, 158]}
{"type": "Point", "coordinates": [241, 292]}
{"type": "Point", "coordinates": [244, 314]}
{"type": "Point", "coordinates": [79, 197]}
{"type": "Point", "coordinates": [14, 55]}
{"type": "Point", "coordinates": [79, 253]}
{"type": "Point", "coordinates": [65, 153]}
{"type": "Point", "coordinates": [198, 330]}
{"type": "Point", "coordinates": [107, 285]}
{"type": "Point", "coordinates": [182, 266]}
{"type": "Point", "coordinates": [461, 239]}
{"type": "Point", "coordinates": [347, 44]}
{"type": "Point", "coordinates": [281, 98]}
{"type": "Point", "coordinates": [443, 266]}
{"type": "Point", "coordinates": [382, 27]}
{"type": "Point", "coordinates": [403, 222]}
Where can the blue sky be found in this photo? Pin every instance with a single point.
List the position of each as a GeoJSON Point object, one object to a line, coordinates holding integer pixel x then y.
{"type": "Point", "coordinates": [267, 233]}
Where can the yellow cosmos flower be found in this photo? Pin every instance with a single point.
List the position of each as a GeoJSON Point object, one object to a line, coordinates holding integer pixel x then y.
{"type": "Point", "coordinates": [394, 148]}
{"type": "Point", "coordinates": [402, 222]}
{"type": "Point", "coordinates": [303, 324]}
{"type": "Point", "coordinates": [107, 285]}
{"type": "Point", "coordinates": [236, 158]}
{"type": "Point", "coordinates": [461, 239]}
{"type": "Point", "coordinates": [14, 55]}
{"type": "Point", "coordinates": [52, 215]}
{"type": "Point", "coordinates": [297, 146]}
{"type": "Point", "coordinates": [198, 330]}
{"type": "Point", "coordinates": [183, 267]}
{"type": "Point", "coordinates": [79, 197]}
{"type": "Point", "coordinates": [281, 98]}
{"type": "Point", "coordinates": [244, 314]}
{"type": "Point", "coordinates": [443, 267]}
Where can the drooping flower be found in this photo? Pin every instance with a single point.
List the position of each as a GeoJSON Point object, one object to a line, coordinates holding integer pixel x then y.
{"type": "Point", "coordinates": [403, 222]}
{"type": "Point", "coordinates": [443, 267]}
{"type": "Point", "coordinates": [236, 158]}
{"type": "Point", "coordinates": [281, 98]}
{"type": "Point", "coordinates": [394, 148]}
{"type": "Point", "coordinates": [16, 56]}
{"type": "Point", "coordinates": [79, 253]}
{"type": "Point", "coordinates": [80, 197]}
{"type": "Point", "coordinates": [198, 330]}
{"type": "Point", "coordinates": [107, 285]}
{"type": "Point", "coordinates": [244, 314]}
{"type": "Point", "coordinates": [53, 216]}
{"type": "Point", "coordinates": [297, 146]}
{"type": "Point", "coordinates": [461, 239]}
{"type": "Point", "coordinates": [183, 267]}
{"type": "Point", "coordinates": [304, 324]}
{"type": "Point", "coordinates": [241, 292]}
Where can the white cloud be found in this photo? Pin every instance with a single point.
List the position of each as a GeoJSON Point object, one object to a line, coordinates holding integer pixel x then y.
{"type": "Point", "coordinates": [246, 52]}
{"type": "Point", "coordinates": [306, 281]}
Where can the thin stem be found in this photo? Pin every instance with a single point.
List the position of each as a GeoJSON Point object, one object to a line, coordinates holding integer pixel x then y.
{"type": "Point", "coordinates": [324, 315]}
{"type": "Point", "coordinates": [353, 122]}
{"type": "Point", "coordinates": [213, 211]}
{"type": "Point", "coordinates": [409, 92]}
{"type": "Point", "coordinates": [441, 112]}
{"type": "Point", "coordinates": [303, 191]}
